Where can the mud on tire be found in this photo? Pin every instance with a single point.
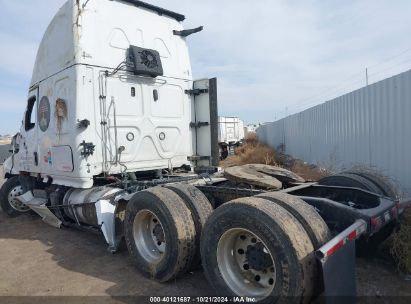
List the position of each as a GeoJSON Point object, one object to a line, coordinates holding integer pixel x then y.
{"type": "Point", "coordinates": [200, 208]}
{"type": "Point", "coordinates": [380, 181]}
{"type": "Point", "coordinates": [282, 236]}
{"type": "Point", "coordinates": [160, 217]}
{"type": "Point", "coordinates": [308, 217]}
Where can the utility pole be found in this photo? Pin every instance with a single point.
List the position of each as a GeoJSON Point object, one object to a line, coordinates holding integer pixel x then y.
{"type": "Point", "coordinates": [366, 76]}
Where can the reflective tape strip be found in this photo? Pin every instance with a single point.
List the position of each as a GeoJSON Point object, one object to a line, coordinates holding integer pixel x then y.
{"type": "Point", "coordinates": [348, 235]}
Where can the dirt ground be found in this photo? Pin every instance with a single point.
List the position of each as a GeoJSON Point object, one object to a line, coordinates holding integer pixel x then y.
{"type": "Point", "coordinates": [39, 260]}
{"type": "Point", "coordinates": [1, 175]}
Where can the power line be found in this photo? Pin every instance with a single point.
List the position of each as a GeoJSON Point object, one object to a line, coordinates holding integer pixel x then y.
{"type": "Point", "coordinates": [332, 87]}
{"type": "Point", "coordinates": [390, 58]}
{"type": "Point", "coordinates": [348, 82]}
{"type": "Point", "coordinates": [391, 67]}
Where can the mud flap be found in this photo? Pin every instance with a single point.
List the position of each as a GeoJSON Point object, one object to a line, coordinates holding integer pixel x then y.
{"type": "Point", "coordinates": [339, 276]}
{"type": "Point", "coordinates": [337, 258]}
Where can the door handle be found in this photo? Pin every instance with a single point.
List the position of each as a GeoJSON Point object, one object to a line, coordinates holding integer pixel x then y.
{"type": "Point", "coordinates": [36, 159]}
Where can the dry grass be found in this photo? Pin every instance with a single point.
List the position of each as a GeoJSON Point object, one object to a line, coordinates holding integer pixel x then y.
{"type": "Point", "coordinates": [251, 152]}
{"type": "Point", "coordinates": [401, 244]}
{"type": "Point", "coordinates": [308, 172]}
{"type": "Point", "coordinates": [388, 181]}
{"type": "Point", "coordinates": [255, 152]}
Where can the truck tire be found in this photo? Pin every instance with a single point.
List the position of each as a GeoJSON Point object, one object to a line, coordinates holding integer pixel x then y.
{"type": "Point", "coordinates": [385, 186]}
{"type": "Point", "coordinates": [200, 209]}
{"type": "Point", "coordinates": [8, 192]}
{"type": "Point", "coordinates": [252, 247]}
{"type": "Point", "coordinates": [368, 247]}
{"type": "Point", "coordinates": [308, 217]}
{"type": "Point", "coordinates": [364, 247]}
{"type": "Point", "coordinates": [350, 180]}
{"type": "Point", "coordinates": [159, 233]}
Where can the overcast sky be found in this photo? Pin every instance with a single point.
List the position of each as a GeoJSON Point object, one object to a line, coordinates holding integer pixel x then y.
{"type": "Point", "coordinates": [272, 58]}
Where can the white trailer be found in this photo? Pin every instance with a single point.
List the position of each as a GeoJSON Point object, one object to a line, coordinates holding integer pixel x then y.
{"type": "Point", "coordinates": [117, 137]}
{"type": "Point", "coordinates": [230, 134]}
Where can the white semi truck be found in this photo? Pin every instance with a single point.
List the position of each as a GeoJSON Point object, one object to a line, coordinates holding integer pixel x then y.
{"type": "Point", "coordinates": [117, 137]}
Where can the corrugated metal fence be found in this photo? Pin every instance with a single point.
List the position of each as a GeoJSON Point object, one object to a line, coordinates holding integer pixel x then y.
{"type": "Point", "coordinates": [368, 127]}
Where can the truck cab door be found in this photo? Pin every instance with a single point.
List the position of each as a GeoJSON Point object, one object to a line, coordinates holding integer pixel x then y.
{"type": "Point", "coordinates": [29, 158]}
{"type": "Point", "coordinates": [205, 123]}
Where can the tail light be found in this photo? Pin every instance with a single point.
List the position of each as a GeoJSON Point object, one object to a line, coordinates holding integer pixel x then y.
{"type": "Point", "coordinates": [376, 223]}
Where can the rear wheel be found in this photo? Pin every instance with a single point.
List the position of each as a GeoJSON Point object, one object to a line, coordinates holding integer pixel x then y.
{"type": "Point", "coordinates": [369, 182]}
{"type": "Point", "coordinates": [200, 208]}
{"type": "Point", "coordinates": [252, 247]}
{"type": "Point", "coordinates": [240, 250]}
{"type": "Point", "coordinates": [381, 182]}
{"type": "Point", "coordinates": [8, 193]}
{"type": "Point", "coordinates": [308, 217]}
{"type": "Point", "coordinates": [159, 233]}
{"type": "Point", "coordinates": [370, 246]}
{"type": "Point", "coordinates": [350, 180]}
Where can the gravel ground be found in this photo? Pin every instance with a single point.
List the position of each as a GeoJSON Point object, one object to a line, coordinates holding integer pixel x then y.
{"type": "Point", "coordinates": [39, 260]}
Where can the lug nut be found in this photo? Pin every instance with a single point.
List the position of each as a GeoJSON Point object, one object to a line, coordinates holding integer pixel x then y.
{"type": "Point", "coordinates": [257, 278]}
{"type": "Point", "coordinates": [271, 281]}
{"type": "Point", "coordinates": [240, 251]}
{"type": "Point", "coordinates": [246, 266]}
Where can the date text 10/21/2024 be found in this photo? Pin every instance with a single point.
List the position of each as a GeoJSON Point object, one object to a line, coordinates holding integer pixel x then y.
{"type": "Point", "coordinates": [202, 300]}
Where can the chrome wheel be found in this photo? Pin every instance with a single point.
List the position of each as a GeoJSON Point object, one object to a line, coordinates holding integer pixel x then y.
{"type": "Point", "coordinates": [245, 263]}
{"type": "Point", "coordinates": [14, 203]}
{"type": "Point", "coordinates": [149, 236]}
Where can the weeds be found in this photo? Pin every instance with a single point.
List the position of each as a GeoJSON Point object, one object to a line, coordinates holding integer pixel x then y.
{"type": "Point", "coordinates": [251, 152]}
{"type": "Point", "coordinates": [308, 172]}
{"type": "Point", "coordinates": [255, 152]}
{"type": "Point", "coordinates": [401, 244]}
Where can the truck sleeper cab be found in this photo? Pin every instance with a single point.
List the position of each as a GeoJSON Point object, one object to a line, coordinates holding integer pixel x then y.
{"type": "Point", "coordinates": [113, 102]}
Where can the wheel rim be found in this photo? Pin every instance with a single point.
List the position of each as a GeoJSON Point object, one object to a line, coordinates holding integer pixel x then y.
{"type": "Point", "coordinates": [245, 263]}
{"type": "Point", "coordinates": [14, 203]}
{"type": "Point", "coordinates": [149, 236]}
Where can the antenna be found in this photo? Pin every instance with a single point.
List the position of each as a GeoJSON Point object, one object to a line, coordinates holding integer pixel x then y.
{"type": "Point", "coordinates": [366, 76]}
